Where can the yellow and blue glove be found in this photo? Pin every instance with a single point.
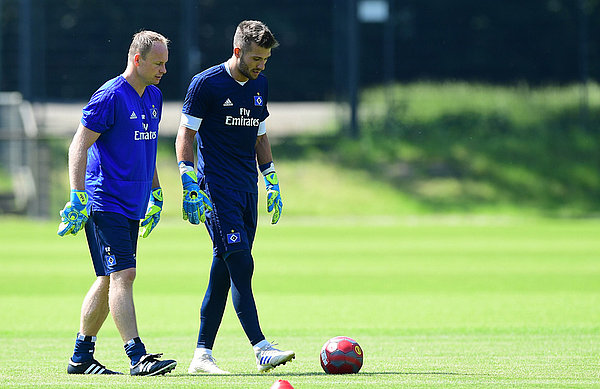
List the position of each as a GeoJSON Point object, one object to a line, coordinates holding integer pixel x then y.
{"type": "Point", "coordinates": [274, 202]}
{"type": "Point", "coordinates": [74, 215]}
{"type": "Point", "coordinates": [152, 216]}
{"type": "Point", "coordinates": [195, 202]}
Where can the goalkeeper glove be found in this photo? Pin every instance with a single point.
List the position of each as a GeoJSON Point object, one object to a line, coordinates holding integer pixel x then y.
{"type": "Point", "coordinates": [274, 202]}
{"type": "Point", "coordinates": [152, 213]}
{"type": "Point", "coordinates": [74, 214]}
{"type": "Point", "coordinates": [195, 202]}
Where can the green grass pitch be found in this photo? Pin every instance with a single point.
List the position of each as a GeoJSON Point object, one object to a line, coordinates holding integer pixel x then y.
{"type": "Point", "coordinates": [434, 302]}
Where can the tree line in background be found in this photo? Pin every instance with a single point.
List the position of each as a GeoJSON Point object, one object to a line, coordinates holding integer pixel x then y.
{"type": "Point", "coordinates": [56, 49]}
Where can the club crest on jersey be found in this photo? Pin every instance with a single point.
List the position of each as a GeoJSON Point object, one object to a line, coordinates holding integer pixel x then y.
{"type": "Point", "coordinates": [234, 237]}
{"type": "Point", "coordinates": [258, 101]}
{"type": "Point", "coordinates": [154, 112]}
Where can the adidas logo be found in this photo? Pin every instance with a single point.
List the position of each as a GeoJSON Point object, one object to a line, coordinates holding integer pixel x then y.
{"type": "Point", "coordinates": [133, 115]}
{"type": "Point", "coordinates": [227, 103]}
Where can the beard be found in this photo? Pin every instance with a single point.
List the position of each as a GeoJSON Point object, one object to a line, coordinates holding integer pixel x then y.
{"type": "Point", "coordinates": [245, 70]}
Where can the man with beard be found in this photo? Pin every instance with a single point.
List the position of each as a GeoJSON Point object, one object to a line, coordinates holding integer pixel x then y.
{"type": "Point", "coordinates": [224, 111]}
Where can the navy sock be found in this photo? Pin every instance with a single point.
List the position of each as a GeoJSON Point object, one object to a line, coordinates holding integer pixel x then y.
{"type": "Point", "coordinates": [135, 349]}
{"type": "Point", "coordinates": [84, 348]}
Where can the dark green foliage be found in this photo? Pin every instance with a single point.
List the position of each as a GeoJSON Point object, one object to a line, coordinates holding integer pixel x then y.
{"type": "Point", "coordinates": [475, 159]}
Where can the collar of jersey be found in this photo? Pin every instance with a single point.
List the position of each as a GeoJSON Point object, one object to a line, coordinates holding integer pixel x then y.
{"type": "Point", "coordinates": [242, 83]}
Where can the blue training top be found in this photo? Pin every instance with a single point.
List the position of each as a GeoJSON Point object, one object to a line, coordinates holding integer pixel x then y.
{"type": "Point", "coordinates": [122, 161]}
{"type": "Point", "coordinates": [231, 114]}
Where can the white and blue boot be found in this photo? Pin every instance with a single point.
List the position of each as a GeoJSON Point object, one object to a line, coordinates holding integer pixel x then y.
{"type": "Point", "coordinates": [268, 357]}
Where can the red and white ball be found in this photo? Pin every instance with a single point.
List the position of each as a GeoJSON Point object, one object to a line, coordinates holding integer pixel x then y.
{"type": "Point", "coordinates": [281, 384]}
{"type": "Point", "coordinates": [341, 355]}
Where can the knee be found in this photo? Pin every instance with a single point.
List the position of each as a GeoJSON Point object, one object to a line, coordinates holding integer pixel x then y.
{"type": "Point", "coordinates": [240, 263]}
{"type": "Point", "coordinates": [123, 277]}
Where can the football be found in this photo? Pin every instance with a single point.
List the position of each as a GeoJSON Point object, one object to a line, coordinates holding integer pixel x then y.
{"type": "Point", "coordinates": [341, 355]}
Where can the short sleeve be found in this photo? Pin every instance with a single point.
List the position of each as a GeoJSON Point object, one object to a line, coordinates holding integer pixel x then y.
{"type": "Point", "coordinates": [195, 98]}
{"type": "Point", "coordinates": [99, 113]}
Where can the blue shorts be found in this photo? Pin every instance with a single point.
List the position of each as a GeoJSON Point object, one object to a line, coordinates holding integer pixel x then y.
{"type": "Point", "coordinates": [112, 240]}
{"type": "Point", "coordinates": [232, 222]}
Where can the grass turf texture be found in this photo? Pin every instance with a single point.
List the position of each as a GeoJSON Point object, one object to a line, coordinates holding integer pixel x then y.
{"type": "Point", "coordinates": [468, 301]}
{"type": "Point", "coordinates": [434, 302]}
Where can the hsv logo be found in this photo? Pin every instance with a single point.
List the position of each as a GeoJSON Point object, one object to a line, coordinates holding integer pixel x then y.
{"type": "Point", "coordinates": [234, 237]}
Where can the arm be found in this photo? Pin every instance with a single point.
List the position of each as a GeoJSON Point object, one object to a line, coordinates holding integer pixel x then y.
{"type": "Point", "coordinates": [75, 213]}
{"type": "Point", "coordinates": [263, 150]}
{"type": "Point", "coordinates": [184, 144]}
{"type": "Point", "coordinates": [84, 138]}
{"type": "Point", "coordinates": [155, 181]}
{"type": "Point", "coordinates": [264, 157]}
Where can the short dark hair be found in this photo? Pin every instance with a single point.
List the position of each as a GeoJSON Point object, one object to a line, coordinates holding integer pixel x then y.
{"type": "Point", "coordinates": [142, 42]}
{"type": "Point", "coordinates": [253, 31]}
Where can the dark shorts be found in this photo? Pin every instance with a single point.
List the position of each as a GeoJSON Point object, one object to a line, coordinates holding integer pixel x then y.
{"type": "Point", "coordinates": [112, 240]}
{"type": "Point", "coordinates": [232, 222]}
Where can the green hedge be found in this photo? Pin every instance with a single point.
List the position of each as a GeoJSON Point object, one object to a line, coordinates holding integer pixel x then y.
{"type": "Point", "coordinates": [461, 147]}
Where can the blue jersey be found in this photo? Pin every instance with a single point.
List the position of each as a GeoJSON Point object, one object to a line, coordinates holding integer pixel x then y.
{"type": "Point", "coordinates": [231, 114]}
{"type": "Point", "coordinates": [121, 162]}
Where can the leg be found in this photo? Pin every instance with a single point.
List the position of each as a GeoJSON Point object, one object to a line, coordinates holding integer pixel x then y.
{"type": "Point", "coordinates": [94, 309]}
{"type": "Point", "coordinates": [120, 299]}
{"type": "Point", "coordinates": [214, 303]}
{"type": "Point", "coordinates": [241, 268]}
{"type": "Point", "coordinates": [231, 225]}
{"type": "Point", "coordinates": [211, 314]}
{"type": "Point", "coordinates": [117, 239]}
{"type": "Point", "coordinates": [123, 312]}
{"type": "Point", "coordinates": [113, 243]}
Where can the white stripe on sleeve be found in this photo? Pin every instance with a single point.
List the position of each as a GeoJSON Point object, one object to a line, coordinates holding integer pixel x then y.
{"type": "Point", "coordinates": [189, 121]}
{"type": "Point", "coordinates": [262, 128]}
